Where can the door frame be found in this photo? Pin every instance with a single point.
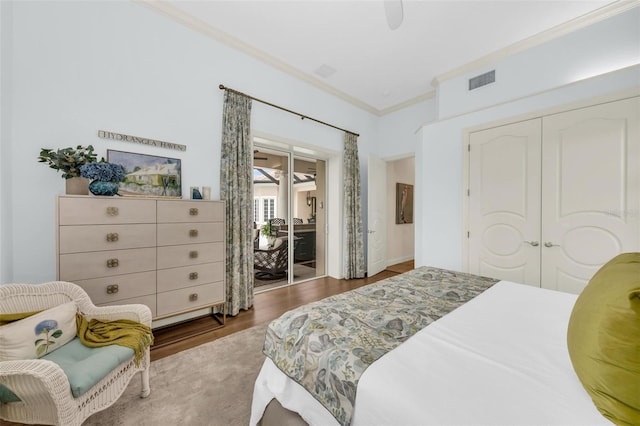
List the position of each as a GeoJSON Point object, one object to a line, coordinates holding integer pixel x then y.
{"type": "Point", "coordinates": [332, 159]}
{"type": "Point", "coordinates": [389, 193]}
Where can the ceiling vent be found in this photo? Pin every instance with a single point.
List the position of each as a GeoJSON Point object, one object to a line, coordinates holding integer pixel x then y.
{"type": "Point", "coordinates": [325, 71]}
{"type": "Point", "coordinates": [482, 80]}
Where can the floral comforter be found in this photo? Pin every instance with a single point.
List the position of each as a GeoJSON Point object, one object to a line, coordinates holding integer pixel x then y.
{"type": "Point", "coordinates": [326, 346]}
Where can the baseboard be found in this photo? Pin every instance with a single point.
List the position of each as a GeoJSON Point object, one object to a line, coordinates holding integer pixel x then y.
{"type": "Point", "coordinates": [399, 260]}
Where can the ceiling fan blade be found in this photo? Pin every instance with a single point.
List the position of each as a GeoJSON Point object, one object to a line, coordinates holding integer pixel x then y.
{"type": "Point", "coordinates": [393, 11]}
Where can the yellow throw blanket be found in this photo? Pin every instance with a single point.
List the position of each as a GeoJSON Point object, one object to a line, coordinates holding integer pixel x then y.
{"type": "Point", "coordinates": [7, 318]}
{"type": "Point", "coordinates": [96, 333]}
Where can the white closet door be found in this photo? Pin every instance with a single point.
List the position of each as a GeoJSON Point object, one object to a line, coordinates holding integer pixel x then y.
{"type": "Point", "coordinates": [591, 187]}
{"type": "Point", "coordinates": [504, 202]}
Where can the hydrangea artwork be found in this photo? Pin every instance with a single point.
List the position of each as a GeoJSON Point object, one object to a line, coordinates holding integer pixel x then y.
{"type": "Point", "coordinates": [46, 327]}
{"type": "Point", "coordinates": [104, 177]}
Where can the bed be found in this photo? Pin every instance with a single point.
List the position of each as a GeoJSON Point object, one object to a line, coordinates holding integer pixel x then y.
{"type": "Point", "coordinates": [499, 358]}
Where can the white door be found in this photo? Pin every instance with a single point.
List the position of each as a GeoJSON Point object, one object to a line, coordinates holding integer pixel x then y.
{"type": "Point", "coordinates": [377, 216]}
{"type": "Point", "coordinates": [504, 202]}
{"type": "Point", "coordinates": [591, 187]}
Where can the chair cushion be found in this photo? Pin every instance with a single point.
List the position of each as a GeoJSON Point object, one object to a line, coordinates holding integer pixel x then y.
{"type": "Point", "coordinates": [86, 366]}
{"type": "Point", "coordinates": [83, 366]}
{"type": "Point", "coordinates": [38, 334]}
{"type": "Point", "coordinates": [6, 395]}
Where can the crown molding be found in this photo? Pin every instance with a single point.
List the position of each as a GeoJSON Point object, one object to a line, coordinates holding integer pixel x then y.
{"type": "Point", "coordinates": [430, 94]}
{"type": "Point", "coordinates": [583, 21]}
{"type": "Point", "coordinates": [200, 26]}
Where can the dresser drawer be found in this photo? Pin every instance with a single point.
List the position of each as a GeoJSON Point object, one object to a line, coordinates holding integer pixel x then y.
{"type": "Point", "coordinates": [83, 238]}
{"type": "Point", "coordinates": [150, 301]}
{"type": "Point", "coordinates": [79, 266]}
{"type": "Point", "coordinates": [189, 254]}
{"type": "Point", "coordinates": [189, 233]}
{"type": "Point", "coordinates": [190, 298]}
{"type": "Point", "coordinates": [190, 211]}
{"type": "Point", "coordinates": [118, 287]}
{"type": "Point", "coordinates": [99, 210]}
{"type": "Point", "coordinates": [188, 276]}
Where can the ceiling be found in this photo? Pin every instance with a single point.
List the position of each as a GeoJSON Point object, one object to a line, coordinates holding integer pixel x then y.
{"type": "Point", "coordinates": [347, 48]}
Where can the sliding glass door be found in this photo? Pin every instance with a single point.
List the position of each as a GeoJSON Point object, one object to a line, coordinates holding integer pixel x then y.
{"type": "Point", "coordinates": [290, 219]}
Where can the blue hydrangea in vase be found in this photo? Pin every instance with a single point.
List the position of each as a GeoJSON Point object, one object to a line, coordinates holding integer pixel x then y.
{"type": "Point", "coordinates": [104, 177]}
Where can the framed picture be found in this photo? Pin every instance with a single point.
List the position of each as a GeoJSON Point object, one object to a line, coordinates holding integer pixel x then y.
{"type": "Point", "coordinates": [148, 175]}
{"type": "Point", "coordinates": [404, 203]}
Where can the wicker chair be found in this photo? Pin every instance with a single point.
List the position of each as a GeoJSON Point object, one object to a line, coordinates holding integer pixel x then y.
{"type": "Point", "coordinates": [271, 263]}
{"type": "Point", "coordinates": [42, 386]}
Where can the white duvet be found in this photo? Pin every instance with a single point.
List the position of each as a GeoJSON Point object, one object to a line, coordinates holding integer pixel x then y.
{"type": "Point", "coordinates": [500, 359]}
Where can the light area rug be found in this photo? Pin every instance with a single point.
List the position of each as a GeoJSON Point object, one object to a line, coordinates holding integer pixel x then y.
{"type": "Point", "coordinates": [211, 384]}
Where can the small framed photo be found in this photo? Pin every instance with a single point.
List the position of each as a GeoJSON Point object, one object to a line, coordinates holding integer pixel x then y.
{"type": "Point", "coordinates": [404, 203]}
{"type": "Point", "coordinates": [148, 175]}
{"type": "Point", "coordinates": [195, 193]}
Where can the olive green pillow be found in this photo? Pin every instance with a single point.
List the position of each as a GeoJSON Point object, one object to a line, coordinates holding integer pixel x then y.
{"type": "Point", "coordinates": [603, 338]}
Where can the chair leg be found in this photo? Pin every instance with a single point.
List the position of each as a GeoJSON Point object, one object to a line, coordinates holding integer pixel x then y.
{"type": "Point", "coordinates": [144, 376]}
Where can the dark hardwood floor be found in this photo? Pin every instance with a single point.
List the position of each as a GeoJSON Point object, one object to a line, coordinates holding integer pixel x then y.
{"type": "Point", "coordinates": [266, 307]}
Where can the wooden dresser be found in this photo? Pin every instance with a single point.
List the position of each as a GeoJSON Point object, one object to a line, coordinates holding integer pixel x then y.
{"type": "Point", "coordinates": [167, 254]}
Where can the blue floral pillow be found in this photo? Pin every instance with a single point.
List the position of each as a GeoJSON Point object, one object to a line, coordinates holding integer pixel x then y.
{"type": "Point", "coordinates": [39, 334]}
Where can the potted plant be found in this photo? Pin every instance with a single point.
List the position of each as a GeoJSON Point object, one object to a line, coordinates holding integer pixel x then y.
{"type": "Point", "coordinates": [267, 230]}
{"type": "Point", "coordinates": [104, 177]}
{"type": "Point", "coordinates": [68, 161]}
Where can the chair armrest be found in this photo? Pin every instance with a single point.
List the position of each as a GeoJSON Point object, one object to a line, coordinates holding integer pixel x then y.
{"type": "Point", "coordinates": [36, 380]}
{"type": "Point", "coordinates": [135, 312]}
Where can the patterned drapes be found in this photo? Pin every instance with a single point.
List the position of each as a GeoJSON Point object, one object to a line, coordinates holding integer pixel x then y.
{"type": "Point", "coordinates": [236, 188]}
{"type": "Point", "coordinates": [353, 262]}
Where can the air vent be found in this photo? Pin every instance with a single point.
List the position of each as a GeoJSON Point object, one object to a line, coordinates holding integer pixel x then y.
{"type": "Point", "coordinates": [325, 71]}
{"type": "Point", "coordinates": [482, 80]}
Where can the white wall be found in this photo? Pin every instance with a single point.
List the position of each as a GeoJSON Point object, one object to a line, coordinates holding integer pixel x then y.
{"type": "Point", "coordinates": [575, 67]}
{"type": "Point", "coordinates": [5, 147]}
{"type": "Point", "coordinates": [600, 48]}
{"type": "Point", "coordinates": [400, 237]}
{"type": "Point", "coordinates": [78, 67]}
{"type": "Point", "coordinates": [397, 131]}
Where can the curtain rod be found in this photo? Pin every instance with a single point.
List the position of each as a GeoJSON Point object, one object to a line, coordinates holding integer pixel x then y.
{"type": "Point", "coordinates": [302, 116]}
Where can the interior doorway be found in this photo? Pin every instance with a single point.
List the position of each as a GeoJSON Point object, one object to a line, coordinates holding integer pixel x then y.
{"type": "Point", "coordinates": [390, 226]}
{"type": "Point", "coordinates": [289, 217]}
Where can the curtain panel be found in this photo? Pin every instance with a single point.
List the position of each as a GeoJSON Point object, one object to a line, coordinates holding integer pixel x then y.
{"type": "Point", "coordinates": [353, 262]}
{"type": "Point", "coordinates": [236, 188]}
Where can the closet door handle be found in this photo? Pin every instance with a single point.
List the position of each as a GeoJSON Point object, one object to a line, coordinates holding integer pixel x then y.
{"type": "Point", "coordinates": [550, 244]}
{"type": "Point", "coordinates": [532, 243]}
